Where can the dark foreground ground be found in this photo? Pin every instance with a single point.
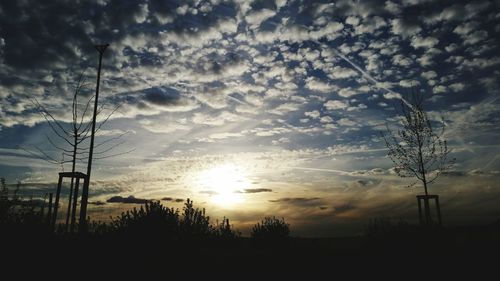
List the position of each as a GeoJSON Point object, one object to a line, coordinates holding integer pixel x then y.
{"type": "Point", "coordinates": [418, 252]}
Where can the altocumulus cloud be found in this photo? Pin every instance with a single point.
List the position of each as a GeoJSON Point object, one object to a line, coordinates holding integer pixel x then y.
{"type": "Point", "coordinates": [285, 84]}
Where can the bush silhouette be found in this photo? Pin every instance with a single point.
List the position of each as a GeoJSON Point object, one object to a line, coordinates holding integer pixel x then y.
{"type": "Point", "coordinates": [157, 221]}
{"type": "Point", "coordinates": [194, 223]}
{"type": "Point", "coordinates": [225, 231]}
{"type": "Point", "coordinates": [153, 218]}
{"type": "Point", "coordinates": [271, 228]}
{"type": "Point", "coordinates": [384, 226]}
{"type": "Point", "coordinates": [19, 216]}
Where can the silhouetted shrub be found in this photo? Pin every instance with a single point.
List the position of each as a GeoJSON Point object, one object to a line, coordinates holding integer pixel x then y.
{"type": "Point", "coordinates": [385, 225]}
{"type": "Point", "coordinates": [271, 228]}
{"type": "Point", "coordinates": [194, 222]}
{"type": "Point", "coordinates": [5, 204]}
{"type": "Point", "coordinates": [224, 230]}
{"type": "Point", "coordinates": [18, 216]}
{"type": "Point", "coordinates": [153, 218]}
{"type": "Point", "coordinates": [97, 228]}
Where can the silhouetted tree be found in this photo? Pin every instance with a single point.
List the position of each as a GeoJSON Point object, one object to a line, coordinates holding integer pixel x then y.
{"type": "Point", "coordinates": [416, 149]}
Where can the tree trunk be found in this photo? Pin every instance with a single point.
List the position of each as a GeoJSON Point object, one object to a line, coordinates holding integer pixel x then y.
{"type": "Point", "coordinates": [428, 219]}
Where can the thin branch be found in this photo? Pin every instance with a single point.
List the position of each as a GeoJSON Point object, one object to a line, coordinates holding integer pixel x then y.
{"type": "Point", "coordinates": [50, 159]}
{"type": "Point", "coordinates": [107, 118]}
{"type": "Point", "coordinates": [56, 146]}
{"type": "Point", "coordinates": [112, 139]}
{"type": "Point", "coordinates": [114, 155]}
{"type": "Point", "coordinates": [85, 112]}
{"type": "Point", "coordinates": [42, 108]}
{"type": "Point", "coordinates": [109, 148]}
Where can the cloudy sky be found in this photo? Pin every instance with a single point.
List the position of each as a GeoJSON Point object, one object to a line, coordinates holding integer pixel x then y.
{"type": "Point", "coordinates": [256, 108]}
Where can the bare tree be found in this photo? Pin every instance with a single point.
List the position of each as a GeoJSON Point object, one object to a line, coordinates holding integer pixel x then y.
{"type": "Point", "coordinates": [416, 148]}
{"type": "Point", "coordinates": [68, 137]}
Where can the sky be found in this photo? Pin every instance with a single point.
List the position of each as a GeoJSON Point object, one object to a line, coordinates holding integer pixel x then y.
{"type": "Point", "coordinates": [258, 108]}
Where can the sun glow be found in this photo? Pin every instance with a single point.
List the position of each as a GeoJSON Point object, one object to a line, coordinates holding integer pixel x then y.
{"type": "Point", "coordinates": [226, 182]}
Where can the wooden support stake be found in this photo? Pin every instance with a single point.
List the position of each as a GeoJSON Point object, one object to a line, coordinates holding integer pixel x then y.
{"type": "Point", "coordinates": [56, 203]}
{"type": "Point", "coordinates": [420, 219]}
{"type": "Point", "coordinates": [68, 213]}
{"type": "Point", "coordinates": [438, 208]}
{"type": "Point", "coordinates": [75, 201]}
{"type": "Point", "coordinates": [49, 214]}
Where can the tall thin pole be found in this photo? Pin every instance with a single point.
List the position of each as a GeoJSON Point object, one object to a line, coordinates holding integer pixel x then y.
{"type": "Point", "coordinates": [85, 191]}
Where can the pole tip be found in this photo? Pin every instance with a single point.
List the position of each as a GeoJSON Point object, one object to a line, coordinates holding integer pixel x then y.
{"type": "Point", "coordinates": [101, 47]}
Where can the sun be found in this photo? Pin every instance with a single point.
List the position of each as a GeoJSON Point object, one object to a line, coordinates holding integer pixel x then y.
{"type": "Point", "coordinates": [225, 182]}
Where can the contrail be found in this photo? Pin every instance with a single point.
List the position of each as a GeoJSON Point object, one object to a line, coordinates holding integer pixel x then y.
{"type": "Point", "coordinates": [229, 96]}
{"type": "Point", "coordinates": [368, 76]}
{"type": "Point", "coordinates": [237, 100]}
{"type": "Point", "coordinates": [322, 170]}
{"type": "Point", "coordinates": [491, 162]}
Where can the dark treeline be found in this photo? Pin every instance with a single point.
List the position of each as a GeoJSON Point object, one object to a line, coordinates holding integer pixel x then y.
{"type": "Point", "coordinates": [155, 236]}
{"type": "Point", "coordinates": [29, 218]}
